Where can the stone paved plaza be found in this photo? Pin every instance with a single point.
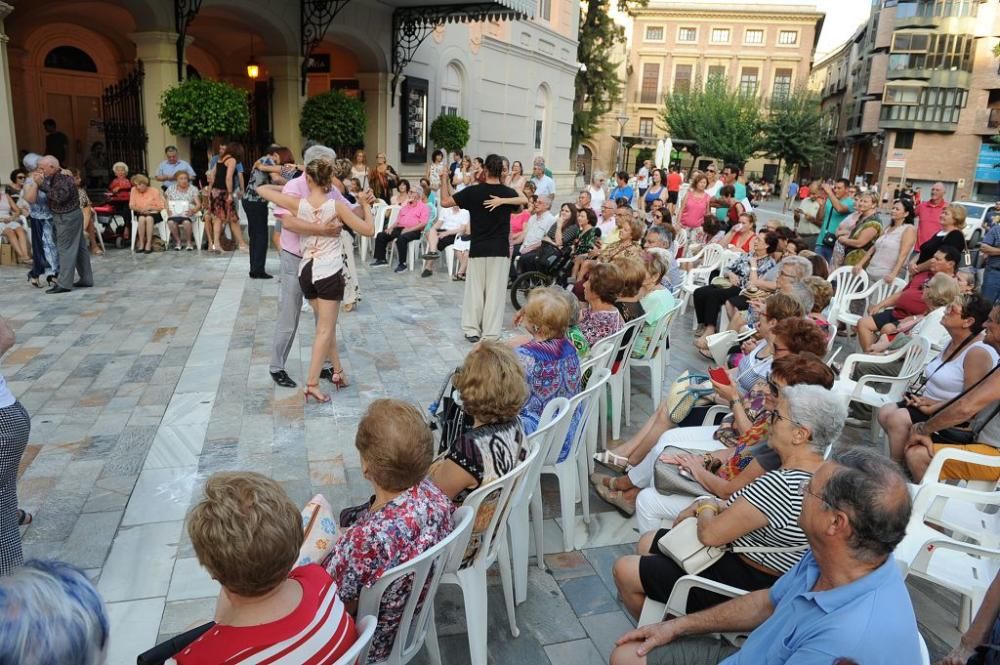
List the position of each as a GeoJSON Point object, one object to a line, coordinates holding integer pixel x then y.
{"type": "Point", "coordinates": [146, 384]}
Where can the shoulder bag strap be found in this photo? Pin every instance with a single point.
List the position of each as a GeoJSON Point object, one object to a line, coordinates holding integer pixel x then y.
{"type": "Point", "coordinates": [969, 390]}
{"type": "Point", "coordinates": [772, 550]}
{"type": "Point", "coordinates": [922, 383]}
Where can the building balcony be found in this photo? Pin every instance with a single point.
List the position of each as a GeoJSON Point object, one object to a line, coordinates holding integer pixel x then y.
{"type": "Point", "coordinates": [936, 78]}
{"type": "Point", "coordinates": [987, 122]}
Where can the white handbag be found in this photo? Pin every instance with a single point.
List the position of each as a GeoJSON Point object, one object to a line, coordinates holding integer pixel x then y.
{"type": "Point", "coordinates": [681, 544]}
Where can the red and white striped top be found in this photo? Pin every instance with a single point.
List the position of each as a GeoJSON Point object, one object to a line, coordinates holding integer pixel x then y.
{"type": "Point", "coordinates": [318, 632]}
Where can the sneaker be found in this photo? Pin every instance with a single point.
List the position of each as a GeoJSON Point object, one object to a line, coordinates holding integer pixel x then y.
{"type": "Point", "coordinates": [177, 248]}
{"type": "Point", "coordinates": [189, 248]}
{"type": "Point", "coordinates": [400, 268]}
{"type": "Point", "coordinates": [378, 263]}
{"type": "Point", "coordinates": [426, 273]}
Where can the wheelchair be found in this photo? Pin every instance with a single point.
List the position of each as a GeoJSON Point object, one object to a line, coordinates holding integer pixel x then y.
{"type": "Point", "coordinates": [557, 267]}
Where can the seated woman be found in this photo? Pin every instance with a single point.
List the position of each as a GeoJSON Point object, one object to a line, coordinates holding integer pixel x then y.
{"type": "Point", "coordinates": [822, 293]}
{"type": "Point", "coordinates": [408, 514]}
{"type": "Point", "coordinates": [748, 271]}
{"type": "Point", "coordinates": [247, 533]}
{"type": "Point", "coordinates": [442, 234]}
{"type": "Point", "coordinates": [600, 317]}
{"type": "Point", "coordinates": [586, 242]}
{"type": "Point", "coordinates": [52, 614]}
{"type": "Point", "coordinates": [550, 361]}
{"type": "Point", "coordinates": [630, 231]}
{"type": "Point", "coordinates": [146, 204]}
{"type": "Point", "coordinates": [961, 364]}
{"type": "Point", "coordinates": [857, 236]}
{"type": "Point", "coordinates": [886, 259]}
{"type": "Point", "coordinates": [119, 189]}
{"type": "Point", "coordinates": [765, 513]}
{"type": "Point", "coordinates": [633, 274]}
{"type": "Point", "coordinates": [183, 204]}
{"type": "Point", "coordinates": [790, 336]}
{"type": "Point", "coordinates": [12, 228]}
{"type": "Point", "coordinates": [493, 387]}
{"type": "Point", "coordinates": [741, 236]}
{"type": "Point", "coordinates": [788, 275]}
{"type": "Point", "coordinates": [709, 233]}
{"type": "Point", "coordinates": [656, 300]}
{"type": "Point", "coordinates": [952, 234]}
{"type": "Point", "coordinates": [402, 194]}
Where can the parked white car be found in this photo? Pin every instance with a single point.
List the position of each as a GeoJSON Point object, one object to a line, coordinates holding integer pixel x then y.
{"type": "Point", "coordinates": [975, 221]}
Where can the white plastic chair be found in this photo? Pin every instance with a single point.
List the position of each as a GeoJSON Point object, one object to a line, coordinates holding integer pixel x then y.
{"type": "Point", "coordinates": [572, 471]}
{"type": "Point", "coordinates": [948, 506]}
{"type": "Point", "coordinates": [358, 653]}
{"type": "Point", "coordinates": [426, 571]}
{"type": "Point", "coordinates": [493, 547]}
{"type": "Point", "coordinates": [160, 226]}
{"type": "Point", "coordinates": [655, 359]}
{"type": "Point", "coordinates": [552, 426]}
{"type": "Point", "coordinates": [914, 356]}
{"type": "Point", "coordinates": [719, 343]}
{"type": "Point", "coordinates": [676, 605]}
{"type": "Point", "coordinates": [616, 386]}
{"type": "Point", "coordinates": [846, 285]}
{"type": "Point", "coordinates": [931, 329]}
{"type": "Point", "coordinates": [601, 356]}
{"type": "Point", "coordinates": [378, 221]}
{"type": "Point", "coordinates": [876, 292]}
{"type": "Point", "coordinates": [709, 259]}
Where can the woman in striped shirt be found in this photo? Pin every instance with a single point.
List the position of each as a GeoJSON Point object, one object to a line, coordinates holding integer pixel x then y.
{"type": "Point", "coordinates": [247, 534]}
{"type": "Point", "coordinates": [764, 514]}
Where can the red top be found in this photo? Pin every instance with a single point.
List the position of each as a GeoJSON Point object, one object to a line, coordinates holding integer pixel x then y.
{"type": "Point", "coordinates": [929, 220]}
{"type": "Point", "coordinates": [804, 192]}
{"type": "Point", "coordinates": [123, 185]}
{"type": "Point", "coordinates": [318, 632]}
{"type": "Point", "coordinates": [674, 181]}
{"type": "Point", "coordinates": [911, 299]}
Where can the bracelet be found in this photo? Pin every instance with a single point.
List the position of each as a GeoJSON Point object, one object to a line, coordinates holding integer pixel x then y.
{"type": "Point", "coordinates": [708, 506]}
{"type": "Point", "coordinates": [733, 402]}
{"type": "Point", "coordinates": [706, 461]}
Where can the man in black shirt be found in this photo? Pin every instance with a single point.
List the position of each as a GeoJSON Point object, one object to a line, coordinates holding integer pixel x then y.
{"type": "Point", "coordinates": [490, 206]}
{"type": "Point", "coordinates": [56, 143]}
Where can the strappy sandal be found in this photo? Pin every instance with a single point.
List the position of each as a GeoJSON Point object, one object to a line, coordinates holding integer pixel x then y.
{"type": "Point", "coordinates": [617, 499]}
{"type": "Point", "coordinates": [24, 518]}
{"type": "Point", "coordinates": [609, 460]}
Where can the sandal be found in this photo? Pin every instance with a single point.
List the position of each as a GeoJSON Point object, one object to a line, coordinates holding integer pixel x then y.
{"type": "Point", "coordinates": [602, 480]}
{"type": "Point", "coordinates": [24, 518]}
{"type": "Point", "coordinates": [349, 307]}
{"type": "Point", "coordinates": [609, 460]}
{"type": "Point", "coordinates": [617, 499]}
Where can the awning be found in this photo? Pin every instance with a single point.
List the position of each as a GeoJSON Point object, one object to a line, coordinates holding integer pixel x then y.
{"type": "Point", "coordinates": [520, 8]}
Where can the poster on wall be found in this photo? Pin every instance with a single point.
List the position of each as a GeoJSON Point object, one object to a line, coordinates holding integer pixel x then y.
{"type": "Point", "coordinates": [413, 146]}
{"type": "Point", "coordinates": [988, 164]}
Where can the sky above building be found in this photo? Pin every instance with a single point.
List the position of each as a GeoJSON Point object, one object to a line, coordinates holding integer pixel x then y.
{"type": "Point", "coordinates": [842, 18]}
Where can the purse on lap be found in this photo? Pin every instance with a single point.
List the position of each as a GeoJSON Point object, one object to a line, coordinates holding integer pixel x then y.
{"type": "Point", "coordinates": [682, 546]}
{"type": "Point", "coordinates": [689, 390]}
{"type": "Point", "coordinates": [667, 478]}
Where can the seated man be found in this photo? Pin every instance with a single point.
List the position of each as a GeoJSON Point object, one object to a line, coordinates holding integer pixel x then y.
{"type": "Point", "coordinates": [606, 218]}
{"type": "Point", "coordinates": [540, 222]}
{"type": "Point", "coordinates": [845, 599]}
{"type": "Point", "coordinates": [183, 204]}
{"type": "Point", "coordinates": [442, 234]}
{"type": "Point", "coordinates": [662, 238]}
{"type": "Point", "coordinates": [247, 533]}
{"type": "Point", "coordinates": [885, 317]}
{"type": "Point", "coordinates": [408, 227]}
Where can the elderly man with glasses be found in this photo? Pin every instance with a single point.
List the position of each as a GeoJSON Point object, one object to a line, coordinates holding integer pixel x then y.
{"type": "Point", "coordinates": [845, 599]}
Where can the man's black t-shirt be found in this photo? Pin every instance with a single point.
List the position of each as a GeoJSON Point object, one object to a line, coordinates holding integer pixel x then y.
{"type": "Point", "coordinates": [490, 228]}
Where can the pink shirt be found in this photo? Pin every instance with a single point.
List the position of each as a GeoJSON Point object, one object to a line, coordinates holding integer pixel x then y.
{"type": "Point", "coordinates": [413, 214]}
{"type": "Point", "coordinates": [518, 220]}
{"type": "Point", "coordinates": [695, 209]}
{"type": "Point", "coordinates": [300, 188]}
{"type": "Point", "coordinates": [930, 220]}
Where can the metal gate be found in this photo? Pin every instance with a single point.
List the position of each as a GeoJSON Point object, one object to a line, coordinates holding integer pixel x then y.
{"type": "Point", "coordinates": [259, 135]}
{"type": "Point", "coordinates": [124, 130]}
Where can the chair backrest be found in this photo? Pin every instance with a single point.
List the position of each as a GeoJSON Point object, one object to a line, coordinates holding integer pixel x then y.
{"type": "Point", "coordinates": [930, 328]}
{"type": "Point", "coordinates": [584, 402]}
{"type": "Point", "coordinates": [393, 216]}
{"type": "Point", "coordinates": [845, 283]}
{"type": "Point", "coordinates": [711, 257]}
{"type": "Point", "coordinates": [880, 290]}
{"type": "Point", "coordinates": [627, 340]}
{"type": "Point", "coordinates": [659, 332]}
{"type": "Point", "coordinates": [915, 357]}
{"type": "Point", "coordinates": [378, 214]}
{"type": "Point", "coordinates": [425, 572]}
{"type": "Point", "coordinates": [492, 502]}
{"type": "Point", "coordinates": [602, 354]}
{"type": "Point", "coordinates": [552, 426]}
{"type": "Point", "coordinates": [358, 653]}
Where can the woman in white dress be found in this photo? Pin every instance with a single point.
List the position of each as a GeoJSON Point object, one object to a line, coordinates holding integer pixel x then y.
{"type": "Point", "coordinates": [321, 271]}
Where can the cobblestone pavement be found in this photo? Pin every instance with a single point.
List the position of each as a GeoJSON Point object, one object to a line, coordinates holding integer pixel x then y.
{"type": "Point", "coordinates": [146, 384]}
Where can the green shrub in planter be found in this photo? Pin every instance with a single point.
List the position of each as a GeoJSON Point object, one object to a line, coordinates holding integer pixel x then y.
{"type": "Point", "coordinates": [203, 109]}
{"type": "Point", "coordinates": [335, 120]}
{"type": "Point", "coordinates": [450, 132]}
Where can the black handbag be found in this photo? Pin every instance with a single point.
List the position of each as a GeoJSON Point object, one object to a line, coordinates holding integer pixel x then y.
{"type": "Point", "coordinates": [163, 651]}
{"type": "Point", "coordinates": [829, 240]}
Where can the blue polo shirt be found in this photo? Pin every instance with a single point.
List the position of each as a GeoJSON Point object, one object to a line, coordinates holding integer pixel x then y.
{"type": "Point", "coordinates": [992, 238]}
{"type": "Point", "coordinates": [870, 621]}
{"type": "Point", "coordinates": [621, 193]}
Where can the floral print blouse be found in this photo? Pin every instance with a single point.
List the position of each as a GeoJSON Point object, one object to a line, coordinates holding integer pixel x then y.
{"type": "Point", "coordinates": [552, 369]}
{"type": "Point", "coordinates": [595, 326]}
{"type": "Point", "coordinates": [402, 529]}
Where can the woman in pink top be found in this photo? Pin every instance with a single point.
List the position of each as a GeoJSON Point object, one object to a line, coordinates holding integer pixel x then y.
{"type": "Point", "coordinates": [321, 271]}
{"type": "Point", "coordinates": [694, 207]}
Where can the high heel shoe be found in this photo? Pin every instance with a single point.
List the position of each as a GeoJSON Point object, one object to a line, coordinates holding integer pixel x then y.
{"type": "Point", "coordinates": [339, 379]}
{"type": "Point", "coordinates": [34, 282]}
{"type": "Point", "coordinates": [312, 390]}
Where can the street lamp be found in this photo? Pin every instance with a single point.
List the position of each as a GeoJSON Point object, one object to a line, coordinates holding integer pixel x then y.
{"type": "Point", "coordinates": [253, 69]}
{"type": "Point", "coordinates": [622, 121]}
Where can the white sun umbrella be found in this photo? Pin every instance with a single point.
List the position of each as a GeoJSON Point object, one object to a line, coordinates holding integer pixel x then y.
{"type": "Point", "coordinates": [668, 150]}
{"type": "Point", "coordinates": [658, 161]}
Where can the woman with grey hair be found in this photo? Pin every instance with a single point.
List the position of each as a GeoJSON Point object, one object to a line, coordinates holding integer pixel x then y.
{"type": "Point", "coordinates": [764, 514]}
{"type": "Point", "coordinates": [52, 614]}
{"type": "Point", "coordinates": [791, 270]}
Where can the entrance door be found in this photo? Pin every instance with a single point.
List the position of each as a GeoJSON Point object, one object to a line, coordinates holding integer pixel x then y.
{"type": "Point", "coordinates": [79, 117]}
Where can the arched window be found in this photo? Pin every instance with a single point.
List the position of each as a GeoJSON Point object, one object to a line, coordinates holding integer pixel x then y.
{"type": "Point", "coordinates": [451, 91]}
{"type": "Point", "coordinates": [541, 104]}
{"type": "Point", "coordinates": [192, 72]}
{"type": "Point", "coordinates": [71, 58]}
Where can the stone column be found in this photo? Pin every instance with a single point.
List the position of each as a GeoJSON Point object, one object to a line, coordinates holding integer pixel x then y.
{"type": "Point", "coordinates": [8, 144]}
{"type": "Point", "coordinates": [286, 100]}
{"type": "Point", "coordinates": [158, 52]}
{"type": "Point", "coordinates": [375, 86]}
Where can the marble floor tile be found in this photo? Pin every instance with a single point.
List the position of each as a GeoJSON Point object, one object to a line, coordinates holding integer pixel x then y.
{"type": "Point", "coordinates": [189, 409]}
{"type": "Point", "coordinates": [141, 562]}
{"type": "Point", "coordinates": [134, 626]}
{"type": "Point", "coordinates": [176, 445]}
{"type": "Point", "coordinates": [191, 581]}
{"type": "Point", "coordinates": [162, 494]}
{"type": "Point", "coordinates": [577, 652]}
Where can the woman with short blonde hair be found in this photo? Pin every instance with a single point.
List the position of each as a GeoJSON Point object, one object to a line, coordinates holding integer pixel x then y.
{"type": "Point", "coordinates": [247, 533]}
{"type": "Point", "coordinates": [146, 204]}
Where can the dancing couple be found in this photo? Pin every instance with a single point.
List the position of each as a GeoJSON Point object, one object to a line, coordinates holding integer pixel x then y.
{"type": "Point", "coordinates": [321, 268]}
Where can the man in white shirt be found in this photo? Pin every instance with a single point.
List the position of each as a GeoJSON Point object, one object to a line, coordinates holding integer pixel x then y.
{"type": "Point", "coordinates": [606, 218]}
{"type": "Point", "coordinates": [544, 185]}
{"type": "Point", "coordinates": [642, 177]}
{"type": "Point", "coordinates": [451, 223]}
{"type": "Point", "coordinates": [535, 228]}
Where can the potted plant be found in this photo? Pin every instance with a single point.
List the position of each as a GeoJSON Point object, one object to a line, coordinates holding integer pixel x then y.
{"type": "Point", "coordinates": [202, 109]}
{"type": "Point", "coordinates": [335, 120]}
{"type": "Point", "coordinates": [450, 132]}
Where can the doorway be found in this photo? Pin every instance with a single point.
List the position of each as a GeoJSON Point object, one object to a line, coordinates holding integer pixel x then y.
{"type": "Point", "coordinates": [79, 117]}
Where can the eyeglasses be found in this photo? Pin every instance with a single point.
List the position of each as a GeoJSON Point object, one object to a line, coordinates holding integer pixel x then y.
{"type": "Point", "coordinates": [804, 489]}
{"type": "Point", "coordinates": [773, 387]}
{"type": "Point", "coordinates": [785, 274]}
{"type": "Point", "coordinates": [775, 416]}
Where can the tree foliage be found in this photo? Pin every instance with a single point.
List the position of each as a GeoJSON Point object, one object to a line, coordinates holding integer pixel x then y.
{"type": "Point", "coordinates": [792, 131]}
{"type": "Point", "coordinates": [598, 87]}
{"type": "Point", "coordinates": [205, 109]}
{"type": "Point", "coordinates": [450, 132]}
{"type": "Point", "coordinates": [335, 120]}
{"type": "Point", "coordinates": [722, 121]}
